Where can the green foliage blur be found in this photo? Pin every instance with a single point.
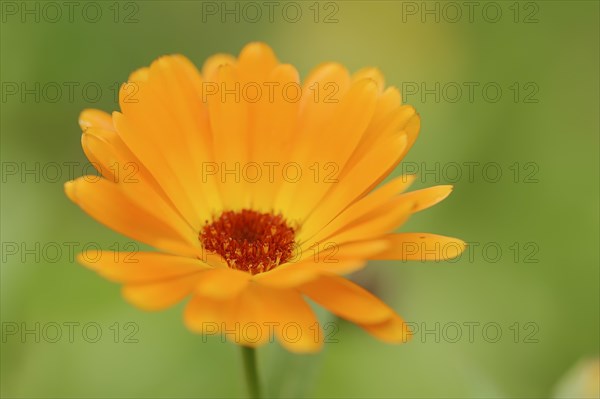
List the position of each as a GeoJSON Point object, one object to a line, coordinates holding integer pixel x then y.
{"type": "Point", "coordinates": [509, 105]}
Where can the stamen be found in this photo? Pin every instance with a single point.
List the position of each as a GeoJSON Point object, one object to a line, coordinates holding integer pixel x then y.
{"type": "Point", "coordinates": [248, 240]}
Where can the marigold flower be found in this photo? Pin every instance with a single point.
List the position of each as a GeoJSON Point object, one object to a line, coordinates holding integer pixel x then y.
{"type": "Point", "coordinates": [258, 190]}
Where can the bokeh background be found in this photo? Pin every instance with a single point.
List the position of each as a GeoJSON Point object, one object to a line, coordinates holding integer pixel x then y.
{"type": "Point", "coordinates": [541, 133]}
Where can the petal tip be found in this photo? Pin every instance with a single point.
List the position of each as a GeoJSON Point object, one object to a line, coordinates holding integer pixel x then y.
{"type": "Point", "coordinates": [69, 188]}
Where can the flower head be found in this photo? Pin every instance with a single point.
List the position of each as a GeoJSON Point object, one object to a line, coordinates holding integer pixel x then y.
{"type": "Point", "coordinates": [258, 191]}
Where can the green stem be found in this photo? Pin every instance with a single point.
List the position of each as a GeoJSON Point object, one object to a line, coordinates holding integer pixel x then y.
{"type": "Point", "coordinates": [249, 355]}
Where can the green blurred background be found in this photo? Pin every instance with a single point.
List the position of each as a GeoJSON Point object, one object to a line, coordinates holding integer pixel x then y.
{"type": "Point", "coordinates": [541, 133]}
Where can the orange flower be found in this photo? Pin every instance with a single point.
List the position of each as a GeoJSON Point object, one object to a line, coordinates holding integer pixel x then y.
{"type": "Point", "coordinates": [259, 191]}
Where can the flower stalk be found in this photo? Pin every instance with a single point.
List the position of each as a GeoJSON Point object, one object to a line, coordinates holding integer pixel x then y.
{"type": "Point", "coordinates": [251, 371]}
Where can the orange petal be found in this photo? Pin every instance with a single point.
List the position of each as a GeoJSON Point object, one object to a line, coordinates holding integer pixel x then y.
{"type": "Point", "coordinates": [349, 120]}
{"type": "Point", "coordinates": [381, 222]}
{"type": "Point", "coordinates": [347, 300]}
{"type": "Point", "coordinates": [202, 314]}
{"type": "Point", "coordinates": [140, 267]}
{"type": "Point", "coordinates": [256, 316]}
{"type": "Point", "coordinates": [95, 118]}
{"type": "Point", "coordinates": [117, 164]}
{"type": "Point", "coordinates": [176, 80]}
{"type": "Point", "coordinates": [256, 61]}
{"type": "Point", "coordinates": [421, 247]}
{"type": "Point", "coordinates": [139, 75]}
{"type": "Point", "coordinates": [323, 258]}
{"type": "Point", "coordinates": [285, 276]}
{"type": "Point", "coordinates": [167, 102]}
{"type": "Point", "coordinates": [360, 180]}
{"type": "Point", "coordinates": [389, 117]}
{"type": "Point", "coordinates": [371, 73]}
{"type": "Point", "coordinates": [138, 138]}
{"type": "Point", "coordinates": [392, 330]}
{"type": "Point", "coordinates": [295, 275]}
{"type": "Point", "coordinates": [387, 104]}
{"type": "Point", "coordinates": [427, 197]}
{"type": "Point", "coordinates": [229, 124]}
{"type": "Point", "coordinates": [273, 128]}
{"type": "Point", "coordinates": [412, 130]}
{"type": "Point", "coordinates": [318, 228]}
{"type": "Point", "coordinates": [340, 258]}
{"type": "Point", "coordinates": [106, 202]}
{"type": "Point", "coordinates": [213, 63]}
{"type": "Point", "coordinates": [222, 283]}
{"type": "Point", "coordinates": [322, 91]}
{"type": "Point", "coordinates": [296, 326]}
{"type": "Point", "coordinates": [235, 318]}
{"type": "Point", "coordinates": [162, 294]}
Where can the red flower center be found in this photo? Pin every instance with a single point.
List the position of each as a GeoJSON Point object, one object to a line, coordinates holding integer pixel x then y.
{"type": "Point", "coordinates": [248, 240]}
